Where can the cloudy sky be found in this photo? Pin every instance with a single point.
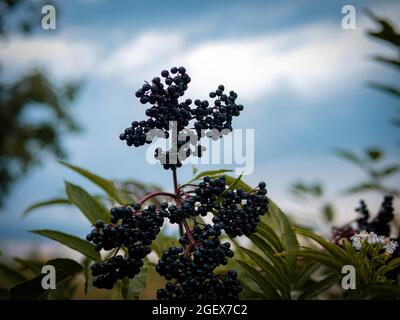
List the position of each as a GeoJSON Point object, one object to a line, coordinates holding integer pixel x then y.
{"type": "Point", "coordinates": [299, 74]}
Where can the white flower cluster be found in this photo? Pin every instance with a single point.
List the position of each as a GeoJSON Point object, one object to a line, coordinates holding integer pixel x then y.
{"type": "Point", "coordinates": [372, 238]}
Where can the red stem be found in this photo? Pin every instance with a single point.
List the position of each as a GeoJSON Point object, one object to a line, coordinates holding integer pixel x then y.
{"type": "Point", "coordinates": [154, 194]}
{"type": "Point", "coordinates": [178, 202]}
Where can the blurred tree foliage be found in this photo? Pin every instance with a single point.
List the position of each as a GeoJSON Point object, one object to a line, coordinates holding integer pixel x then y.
{"type": "Point", "coordinates": [22, 140]}
{"type": "Point", "coordinates": [389, 34]}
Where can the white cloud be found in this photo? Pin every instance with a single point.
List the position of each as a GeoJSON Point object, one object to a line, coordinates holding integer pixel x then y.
{"type": "Point", "coordinates": [61, 55]}
{"type": "Point", "coordinates": [310, 60]}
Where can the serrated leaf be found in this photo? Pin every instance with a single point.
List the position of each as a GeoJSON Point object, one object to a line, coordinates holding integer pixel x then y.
{"type": "Point", "coordinates": [271, 275]}
{"type": "Point", "coordinates": [32, 289]}
{"type": "Point", "coordinates": [264, 285]}
{"type": "Point", "coordinates": [45, 203]}
{"type": "Point", "coordinates": [319, 287]}
{"type": "Point", "coordinates": [88, 205]}
{"type": "Point", "coordinates": [73, 242]}
{"type": "Point", "coordinates": [107, 185]}
{"type": "Point", "coordinates": [11, 275]}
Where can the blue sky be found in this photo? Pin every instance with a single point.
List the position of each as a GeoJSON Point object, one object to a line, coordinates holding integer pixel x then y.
{"type": "Point", "coordinates": [301, 77]}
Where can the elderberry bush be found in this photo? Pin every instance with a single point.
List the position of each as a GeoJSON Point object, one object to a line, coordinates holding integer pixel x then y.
{"type": "Point", "coordinates": [193, 269]}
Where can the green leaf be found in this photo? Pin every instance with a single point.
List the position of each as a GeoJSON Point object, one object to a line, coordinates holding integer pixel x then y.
{"type": "Point", "coordinates": [271, 255]}
{"type": "Point", "coordinates": [287, 235]}
{"type": "Point", "coordinates": [328, 212]}
{"type": "Point", "coordinates": [362, 187]}
{"type": "Point", "coordinates": [349, 156]}
{"type": "Point", "coordinates": [322, 258]}
{"type": "Point", "coordinates": [278, 281]}
{"type": "Point", "coordinates": [383, 291]}
{"type": "Point", "coordinates": [232, 185]}
{"type": "Point", "coordinates": [131, 288]}
{"type": "Point", "coordinates": [45, 203]}
{"type": "Point", "coordinates": [32, 289]}
{"type": "Point", "coordinates": [75, 243]}
{"type": "Point", "coordinates": [266, 232]}
{"type": "Point", "coordinates": [88, 205]}
{"type": "Point", "coordinates": [11, 275]}
{"type": "Point", "coordinates": [262, 282]}
{"type": "Point", "coordinates": [209, 173]}
{"type": "Point", "coordinates": [385, 88]}
{"type": "Point", "coordinates": [319, 287]}
{"type": "Point", "coordinates": [107, 185]}
{"type": "Point", "coordinates": [374, 154]}
{"type": "Point", "coordinates": [31, 265]}
{"type": "Point", "coordinates": [333, 249]}
{"type": "Point", "coordinates": [393, 264]}
{"type": "Point", "coordinates": [389, 170]}
{"type": "Point", "coordinates": [305, 273]}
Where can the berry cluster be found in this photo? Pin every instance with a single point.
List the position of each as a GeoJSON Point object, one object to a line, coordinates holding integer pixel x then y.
{"type": "Point", "coordinates": [193, 273]}
{"type": "Point", "coordinates": [191, 268]}
{"type": "Point", "coordinates": [136, 231]}
{"type": "Point", "coordinates": [240, 211]}
{"type": "Point", "coordinates": [166, 108]}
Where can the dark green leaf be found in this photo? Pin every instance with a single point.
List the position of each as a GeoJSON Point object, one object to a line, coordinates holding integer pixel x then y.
{"type": "Point", "coordinates": [385, 88]}
{"type": "Point", "coordinates": [322, 258]}
{"type": "Point", "coordinates": [266, 232]}
{"type": "Point", "coordinates": [75, 243]}
{"type": "Point", "coordinates": [319, 287]}
{"type": "Point", "coordinates": [287, 235]}
{"type": "Point", "coordinates": [11, 275]}
{"type": "Point", "coordinates": [262, 282]}
{"type": "Point", "coordinates": [333, 249]}
{"type": "Point", "coordinates": [88, 205]}
{"type": "Point", "coordinates": [107, 185]}
{"type": "Point", "coordinates": [349, 156]}
{"type": "Point", "coordinates": [328, 212]}
{"type": "Point", "coordinates": [362, 187]}
{"type": "Point", "coordinates": [305, 273]}
{"type": "Point", "coordinates": [374, 154]}
{"type": "Point", "coordinates": [278, 281]}
{"type": "Point", "coordinates": [45, 203]}
{"type": "Point", "coordinates": [31, 265]}
{"type": "Point", "coordinates": [32, 289]}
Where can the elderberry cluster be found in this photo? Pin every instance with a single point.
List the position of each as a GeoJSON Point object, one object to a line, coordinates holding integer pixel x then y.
{"type": "Point", "coordinates": [192, 273]}
{"type": "Point", "coordinates": [131, 228]}
{"type": "Point", "coordinates": [240, 211]}
{"type": "Point", "coordinates": [379, 225]}
{"type": "Point", "coordinates": [166, 107]}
